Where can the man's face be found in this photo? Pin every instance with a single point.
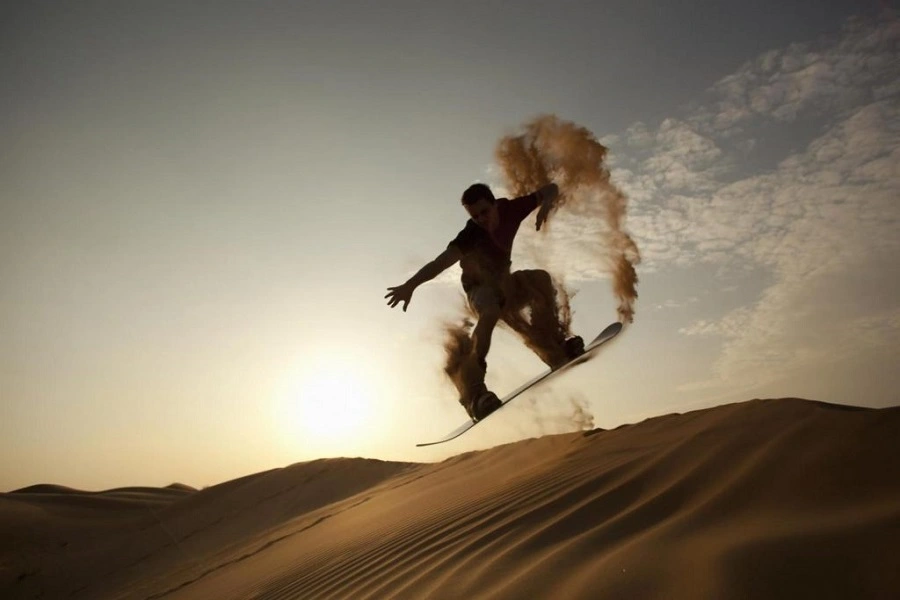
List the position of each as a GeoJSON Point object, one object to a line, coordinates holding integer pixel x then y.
{"type": "Point", "coordinates": [484, 213]}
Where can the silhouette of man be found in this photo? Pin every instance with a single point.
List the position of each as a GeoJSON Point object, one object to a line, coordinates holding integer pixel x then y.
{"type": "Point", "coordinates": [483, 248]}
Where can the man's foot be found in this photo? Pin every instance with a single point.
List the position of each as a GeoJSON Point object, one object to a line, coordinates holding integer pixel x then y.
{"type": "Point", "coordinates": [574, 347]}
{"type": "Point", "coordinates": [482, 403]}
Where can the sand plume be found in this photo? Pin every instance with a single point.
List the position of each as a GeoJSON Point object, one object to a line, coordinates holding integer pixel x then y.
{"type": "Point", "coordinates": [552, 411]}
{"type": "Point", "coordinates": [457, 344]}
{"type": "Point", "coordinates": [550, 149]}
{"type": "Point", "coordinates": [580, 415]}
{"type": "Point", "coordinates": [459, 365]}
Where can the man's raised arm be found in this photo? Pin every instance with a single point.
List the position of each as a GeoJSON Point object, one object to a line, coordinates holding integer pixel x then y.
{"type": "Point", "coordinates": [545, 196]}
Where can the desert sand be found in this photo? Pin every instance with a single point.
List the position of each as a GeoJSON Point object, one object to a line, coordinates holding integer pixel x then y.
{"type": "Point", "coordinates": [782, 498]}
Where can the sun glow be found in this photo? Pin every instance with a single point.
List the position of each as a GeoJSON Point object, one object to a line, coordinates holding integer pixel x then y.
{"type": "Point", "coordinates": [329, 406]}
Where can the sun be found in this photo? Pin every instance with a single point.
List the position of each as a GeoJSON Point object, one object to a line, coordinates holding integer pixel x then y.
{"type": "Point", "coordinates": [328, 405]}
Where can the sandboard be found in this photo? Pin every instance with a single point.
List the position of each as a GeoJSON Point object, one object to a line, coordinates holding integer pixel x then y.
{"type": "Point", "coordinates": [589, 351]}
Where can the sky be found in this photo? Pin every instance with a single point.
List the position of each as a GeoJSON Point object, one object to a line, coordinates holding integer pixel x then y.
{"type": "Point", "coordinates": [202, 205]}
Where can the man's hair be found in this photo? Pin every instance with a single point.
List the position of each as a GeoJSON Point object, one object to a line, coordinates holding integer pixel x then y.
{"type": "Point", "coordinates": [476, 192]}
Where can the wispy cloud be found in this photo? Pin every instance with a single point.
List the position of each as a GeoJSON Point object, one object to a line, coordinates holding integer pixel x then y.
{"type": "Point", "coordinates": [821, 218]}
{"type": "Point", "coordinates": [825, 222]}
{"type": "Point", "coordinates": [825, 77]}
{"type": "Point", "coordinates": [789, 167]}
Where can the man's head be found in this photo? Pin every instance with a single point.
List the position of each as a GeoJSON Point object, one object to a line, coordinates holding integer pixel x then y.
{"type": "Point", "coordinates": [482, 207]}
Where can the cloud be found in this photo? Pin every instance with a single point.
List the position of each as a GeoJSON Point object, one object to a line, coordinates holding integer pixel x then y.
{"type": "Point", "coordinates": [735, 186]}
{"type": "Point", "coordinates": [672, 303]}
{"type": "Point", "coordinates": [828, 76]}
{"type": "Point", "coordinates": [823, 221]}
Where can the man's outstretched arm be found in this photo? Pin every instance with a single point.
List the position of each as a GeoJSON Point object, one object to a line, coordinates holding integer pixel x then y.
{"type": "Point", "coordinates": [403, 293]}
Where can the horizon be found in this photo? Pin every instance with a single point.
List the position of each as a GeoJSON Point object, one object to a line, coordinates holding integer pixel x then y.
{"type": "Point", "coordinates": [179, 485]}
{"type": "Point", "coordinates": [202, 208]}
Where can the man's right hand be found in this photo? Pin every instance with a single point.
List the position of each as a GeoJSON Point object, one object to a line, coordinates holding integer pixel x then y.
{"type": "Point", "coordinates": [401, 293]}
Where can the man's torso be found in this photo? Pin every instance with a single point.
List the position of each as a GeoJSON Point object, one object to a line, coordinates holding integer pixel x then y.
{"type": "Point", "coordinates": [486, 255]}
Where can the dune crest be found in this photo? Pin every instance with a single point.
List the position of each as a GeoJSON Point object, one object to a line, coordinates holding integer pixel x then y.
{"type": "Point", "coordinates": [768, 498]}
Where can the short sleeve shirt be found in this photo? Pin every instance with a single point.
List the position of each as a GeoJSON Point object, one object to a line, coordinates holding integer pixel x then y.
{"type": "Point", "coordinates": [486, 256]}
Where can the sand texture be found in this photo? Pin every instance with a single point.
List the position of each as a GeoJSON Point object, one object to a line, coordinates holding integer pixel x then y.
{"type": "Point", "coordinates": [782, 498]}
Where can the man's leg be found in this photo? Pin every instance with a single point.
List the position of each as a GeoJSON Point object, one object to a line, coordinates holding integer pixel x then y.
{"type": "Point", "coordinates": [486, 302]}
{"type": "Point", "coordinates": [542, 331]}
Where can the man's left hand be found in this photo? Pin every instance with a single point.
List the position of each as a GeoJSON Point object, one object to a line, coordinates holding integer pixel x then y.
{"type": "Point", "coordinates": [542, 213]}
{"type": "Point", "coordinates": [547, 195]}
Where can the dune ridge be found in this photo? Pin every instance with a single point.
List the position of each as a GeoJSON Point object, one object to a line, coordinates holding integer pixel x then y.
{"type": "Point", "coordinates": [766, 498]}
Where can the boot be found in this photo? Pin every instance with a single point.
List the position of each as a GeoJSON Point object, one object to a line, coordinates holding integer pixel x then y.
{"type": "Point", "coordinates": [482, 402]}
{"type": "Point", "coordinates": [571, 348]}
{"type": "Point", "coordinates": [574, 347]}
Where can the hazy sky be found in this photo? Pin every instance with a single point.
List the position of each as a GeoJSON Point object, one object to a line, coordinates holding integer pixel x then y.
{"type": "Point", "coordinates": [201, 205]}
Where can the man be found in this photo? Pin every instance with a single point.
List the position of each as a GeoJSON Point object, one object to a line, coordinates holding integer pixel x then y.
{"type": "Point", "coordinates": [483, 250]}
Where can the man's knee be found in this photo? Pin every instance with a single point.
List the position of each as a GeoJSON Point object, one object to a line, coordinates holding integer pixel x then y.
{"type": "Point", "coordinates": [489, 313]}
{"type": "Point", "coordinates": [532, 279]}
{"type": "Point", "coordinates": [541, 278]}
{"type": "Point", "coordinates": [533, 285]}
{"type": "Point", "coordinates": [487, 302]}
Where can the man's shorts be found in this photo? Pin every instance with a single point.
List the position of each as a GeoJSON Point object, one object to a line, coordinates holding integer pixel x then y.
{"type": "Point", "coordinates": [485, 297]}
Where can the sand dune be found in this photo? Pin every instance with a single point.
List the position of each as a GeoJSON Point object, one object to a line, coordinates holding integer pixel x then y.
{"type": "Point", "coordinates": [769, 498]}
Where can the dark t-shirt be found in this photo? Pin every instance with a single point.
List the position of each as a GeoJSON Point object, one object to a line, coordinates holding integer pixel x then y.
{"type": "Point", "coordinates": [486, 256]}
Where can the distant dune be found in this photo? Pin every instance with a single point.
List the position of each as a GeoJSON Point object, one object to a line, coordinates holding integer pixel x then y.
{"type": "Point", "coordinates": [779, 498]}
